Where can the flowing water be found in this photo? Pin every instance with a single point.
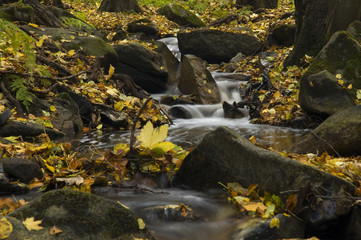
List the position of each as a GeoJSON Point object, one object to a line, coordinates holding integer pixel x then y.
{"type": "Point", "coordinates": [218, 219]}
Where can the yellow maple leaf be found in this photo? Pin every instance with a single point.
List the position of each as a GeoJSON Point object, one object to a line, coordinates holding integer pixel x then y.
{"type": "Point", "coordinates": [31, 224]}
{"type": "Point", "coordinates": [149, 136]}
{"type": "Point", "coordinates": [5, 228]}
{"type": "Point", "coordinates": [111, 72]}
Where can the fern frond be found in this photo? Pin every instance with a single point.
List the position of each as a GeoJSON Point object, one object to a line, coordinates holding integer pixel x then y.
{"type": "Point", "coordinates": [21, 92]}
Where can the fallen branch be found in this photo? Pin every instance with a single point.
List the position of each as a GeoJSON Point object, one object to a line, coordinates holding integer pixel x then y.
{"type": "Point", "coordinates": [45, 77]}
{"type": "Point", "coordinates": [49, 89]}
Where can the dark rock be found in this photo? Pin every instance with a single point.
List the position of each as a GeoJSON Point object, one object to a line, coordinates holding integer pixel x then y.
{"type": "Point", "coordinates": [353, 224]}
{"type": "Point", "coordinates": [282, 35]}
{"type": "Point", "coordinates": [231, 111]}
{"type": "Point", "coordinates": [175, 100]}
{"type": "Point", "coordinates": [195, 79]}
{"type": "Point", "coordinates": [80, 216]}
{"type": "Point", "coordinates": [27, 129]}
{"type": "Point", "coordinates": [216, 46]}
{"type": "Point", "coordinates": [289, 227]}
{"type": "Point", "coordinates": [84, 105]}
{"type": "Point", "coordinates": [119, 35]}
{"type": "Point", "coordinates": [355, 30]}
{"type": "Point", "coordinates": [111, 117]}
{"type": "Point", "coordinates": [145, 67]}
{"type": "Point", "coordinates": [266, 60]}
{"type": "Point", "coordinates": [287, 15]}
{"type": "Point", "coordinates": [66, 118]}
{"type": "Point", "coordinates": [180, 15]}
{"type": "Point", "coordinates": [8, 188]}
{"type": "Point", "coordinates": [337, 135]}
{"type": "Point", "coordinates": [144, 26]}
{"type": "Point", "coordinates": [168, 213]}
{"type": "Point", "coordinates": [170, 62]}
{"type": "Point", "coordinates": [320, 92]}
{"type": "Point", "coordinates": [257, 4]}
{"type": "Point", "coordinates": [179, 112]}
{"type": "Point", "coordinates": [21, 169]}
{"type": "Point", "coordinates": [223, 156]}
{"type": "Point", "coordinates": [4, 117]}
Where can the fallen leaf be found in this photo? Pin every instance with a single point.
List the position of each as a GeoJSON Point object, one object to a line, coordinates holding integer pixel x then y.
{"type": "Point", "coordinates": [31, 224]}
{"type": "Point", "coordinates": [5, 228]}
{"type": "Point", "coordinates": [141, 224]}
{"type": "Point", "coordinates": [54, 230]}
{"type": "Point", "coordinates": [149, 136]}
{"type": "Point", "coordinates": [275, 222]}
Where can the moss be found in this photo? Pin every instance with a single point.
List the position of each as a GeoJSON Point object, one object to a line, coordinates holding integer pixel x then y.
{"type": "Point", "coordinates": [180, 15]}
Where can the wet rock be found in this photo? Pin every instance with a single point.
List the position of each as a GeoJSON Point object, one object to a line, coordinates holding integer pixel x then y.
{"type": "Point", "coordinates": [216, 46]}
{"type": "Point", "coordinates": [169, 213]}
{"type": "Point", "coordinates": [111, 117]}
{"type": "Point", "coordinates": [353, 224]}
{"type": "Point", "coordinates": [80, 216]}
{"type": "Point", "coordinates": [355, 30]}
{"type": "Point", "coordinates": [289, 227]}
{"type": "Point", "coordinates": [337, 135]}
{"type": "Point", "coordinates": [231, 111]}
{"type": "Point", "coordinates": [145, 67]}
{"type": "Point", "coordinates": [175, 100]}
{"type": "Point", "coordinates": [8, 188]}
{"type": "Point", "coordinates": [238, 58]}
{"type": "Point", "coordinates": [282, 35]}
{"type": "Point", "coordinates": [195, 79]}
{"type": "Point", "coordinates": [21, 169]}
{"type": "Point", "coordinates": [180, 15]}
{"type": "Point", "coordinates": [257, 4]}
{"type": "Point", "coordinates": [170, 62]}
{"type": "Point", "coordinates": [223, 156]}
{"type": "Point", "coordinates": [179, 112]}
{"type": "Point", "coordinates": [143, 26]}
{"type": "Point", "coordinates": [27, 129]}
{"type": "Point", "coordinates": [4, 117]}
{"type": "Point", "coordinates": [320, 92]}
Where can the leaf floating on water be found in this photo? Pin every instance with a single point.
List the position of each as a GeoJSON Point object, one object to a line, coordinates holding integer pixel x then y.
{"type": "Point", "coordinates": [5, 228]}
{"type": "Point", "coordinates": [31, 224]}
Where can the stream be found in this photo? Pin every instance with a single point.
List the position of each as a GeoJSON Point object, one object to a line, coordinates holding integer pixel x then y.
{"type": "Point", "coordinates": [218, 219]}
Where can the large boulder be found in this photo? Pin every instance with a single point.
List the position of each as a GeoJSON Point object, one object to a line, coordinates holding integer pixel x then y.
{"type": "Point", "coordinates": [355, 30]}
{"type": "Point", "coordinates": [78, 215]}
{"type": "Point", "coordinates": [337, 135]}
{"type": "Point", "coordinates": [282, 35]}
{"type": "Point", "coordinates": [216, 46]}
{"type": "Point", "coordinates": [223, 156]}
{"type": "Point", "coordinates": [321, 93]}
{"type": "Point", "coordinates": [197, 80]}
{"type": "Point", "coordinates": [145, 67]}
{"type": "Point", "coordinates": [180, 15]}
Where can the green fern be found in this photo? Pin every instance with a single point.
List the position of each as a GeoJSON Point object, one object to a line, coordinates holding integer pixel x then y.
{"type": "Point", "coordinates": [21, 92]}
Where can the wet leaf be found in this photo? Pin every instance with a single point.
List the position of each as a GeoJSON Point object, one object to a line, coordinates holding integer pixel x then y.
{"type": "Point", "coordinates": [31, 224]}
{"type": "Point", "coordinates": [5, 228]}
{"type": "Point", "coordinates": [149, 136]}
{"type": "Point", "coordinates": [252, 139]}
{"type": "Point", "coordinates": [275, 222]}
{"type": "Point", "coordinates": [52, 108]}
{"type": "Point", "coordinates": [141, 224]}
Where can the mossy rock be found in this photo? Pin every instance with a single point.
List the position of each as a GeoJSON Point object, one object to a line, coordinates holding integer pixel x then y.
{"type": "Point", "coordinates": [16, 12]}
{"type": "Point", "coordinates": [282, 35]}
{"type": "Point", "coordinates": [75, 40]}
{"type": "Point", "coordinates": [80, 216]}
{"type": "Point", "coordinates": [341, 55]}
{"type": "Point", "coordinates": [355, 30]}
{"type": "Point", "coordinates": [180, 15]}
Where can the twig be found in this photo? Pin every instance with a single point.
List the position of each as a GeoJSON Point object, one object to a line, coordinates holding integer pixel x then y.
{"type": "Point", "coordinates": [53, 64]}
{"type": "Point", "coordinates": [314, 134]}
{"type": "Point", "coordinates": [51, 88]}
{"type": "Point", "coordinates": [131, 142]}
{"type": "Point", "coordinates": [44, 77]}
{"type": "Point", "coordinates": [8, 95]}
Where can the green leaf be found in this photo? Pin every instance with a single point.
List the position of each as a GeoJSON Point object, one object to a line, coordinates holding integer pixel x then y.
{"type": "Point", "coordinates": [358, 94]}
